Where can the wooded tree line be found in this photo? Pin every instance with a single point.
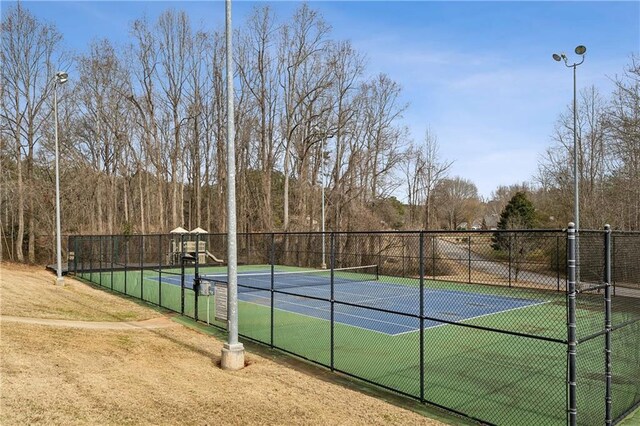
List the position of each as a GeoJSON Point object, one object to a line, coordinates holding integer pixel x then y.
{"type": "Point", "coordinates": [142, 128]}
{"type": "Point", "coordinates": [142, 135]}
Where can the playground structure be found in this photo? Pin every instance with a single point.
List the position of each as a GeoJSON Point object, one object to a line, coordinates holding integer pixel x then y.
{"type": "Point", "coordinates": [181, 247]}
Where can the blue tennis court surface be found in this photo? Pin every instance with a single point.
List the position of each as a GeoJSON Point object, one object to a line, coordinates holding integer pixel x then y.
{"type": "Point", "coordinates": [443, 304]}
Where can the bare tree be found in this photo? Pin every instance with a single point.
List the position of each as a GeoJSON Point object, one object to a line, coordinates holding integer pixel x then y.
{"type": "Point", "coordinates": [555, 168]}
{"type": "Point", "coordinates": [433, 171]}
{"type": "Point", "coordinates": [257, 67]}
{"type": "Point", "coordinates": [302, 79]}
{"type": "Point", "coordinates": [623, 130]}
{"type": "Point", "coordinates": [29, 55]}
{"type": "Point", "coordinates": [458, 201]}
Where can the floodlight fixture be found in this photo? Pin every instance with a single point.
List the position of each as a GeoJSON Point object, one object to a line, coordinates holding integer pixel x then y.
{"type": "Point", "coordinates": [62, 77]}
{"type": "Point", "coordinates": [580, 50]}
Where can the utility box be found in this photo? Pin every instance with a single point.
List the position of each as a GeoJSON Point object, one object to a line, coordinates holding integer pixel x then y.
{"type": "Point", "coordinates": [205, 288]}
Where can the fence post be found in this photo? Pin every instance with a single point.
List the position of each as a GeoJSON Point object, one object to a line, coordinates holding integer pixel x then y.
{"type": "Point", "coordinates": [247, 243]}
{"type": "Point", "coordinates": [332, 261]}
{"type": "Point", "coordinates": [113, 251]}
{"type": "Point", "coordinates": [126, 261]}
{"type": "Point", "coordinates": [607, 323]}
{"type": "Point", "coordinates": [421, 300]}
{"type": "Point", "coordinates": [272, 260]}
{"type": "Point", "coordinates": [379, 251]}
{"type": "Point", "coordinates": [79, 261]}
{"type": "Point", "coordinates": [613, 263]}
{"type": "Point", "coordinates": [404, 271]}
{"type": "Point", "coordinates": [572, 409]}
{"type": "Point", "coordinates": [558, 260]}
{"type": "Point", "coordinates": [509, 260]}
{"type": "Point", "coordinates": [196, 278]}
{"type": "Point", "coordinates": [141, 266]}
{"type": "Point", "coordinates": [469, 249]}
{"type": "Point", "coordinates": [75, 255]}
{"type": "Point", "coordinates": [100, 257]}
{"type": "Point", "coordinates": [181, 274]}
{"type": "Point", "coordinates": [160, 270]}
{"type": "Point", "coordinates": [433, 257]}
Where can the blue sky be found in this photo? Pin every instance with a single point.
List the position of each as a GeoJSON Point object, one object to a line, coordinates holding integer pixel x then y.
{"type": "Point", "coordinates": [479, 74]}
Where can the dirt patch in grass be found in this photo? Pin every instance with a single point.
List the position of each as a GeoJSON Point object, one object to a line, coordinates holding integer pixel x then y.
{"type": "Point", "coordinates": [59, 375]}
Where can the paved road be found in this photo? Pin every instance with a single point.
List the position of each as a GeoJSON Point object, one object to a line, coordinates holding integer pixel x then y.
{"type": "Point", "coordinates": [459, 252]}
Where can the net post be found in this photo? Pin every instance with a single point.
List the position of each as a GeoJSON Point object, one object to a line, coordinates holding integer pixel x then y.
{"type": "Point", "coordinates": [272, 260]}
{"type": "Point", "coordinates": [607, 323]}
{"type": "Point", "coordinates": [421, 301]}
{"type": "Point", "coordinates": [196, 277]}
{"type": "Point", "coordinates": [572, 408]}
{"type": "Point", "coordinates": [332, 262]}
{"type": "Point", "coordinates": [181, 274]}
{"type": "Point", "coordinates": [141, 267]}
{"type": "Point", "coordinates": [160, 270]}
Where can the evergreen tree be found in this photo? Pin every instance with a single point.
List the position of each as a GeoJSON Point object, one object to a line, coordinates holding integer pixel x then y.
{"type": "Point", "coordinates": [519, 213]}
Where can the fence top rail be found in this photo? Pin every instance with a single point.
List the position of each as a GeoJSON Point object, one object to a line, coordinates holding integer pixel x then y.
{"type": "Point", "coordinates": [391, 232]}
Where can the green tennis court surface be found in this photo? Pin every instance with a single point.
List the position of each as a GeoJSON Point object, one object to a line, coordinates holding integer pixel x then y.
{"type": "Point", "coordinates": [497, 376]}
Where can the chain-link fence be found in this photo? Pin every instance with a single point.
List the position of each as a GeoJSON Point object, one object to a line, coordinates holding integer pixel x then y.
{"type": "Point", "coordinates": [505, 327]}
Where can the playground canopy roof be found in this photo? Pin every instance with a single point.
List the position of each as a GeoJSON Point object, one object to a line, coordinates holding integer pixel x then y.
{"type": "Point", "coordinates": [179, 230]}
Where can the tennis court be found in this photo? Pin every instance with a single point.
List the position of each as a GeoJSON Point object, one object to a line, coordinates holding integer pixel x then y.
{"type": "Point", "coordinates": [416, 319]}
{"type": "Point", "coordinates": [302, 290]}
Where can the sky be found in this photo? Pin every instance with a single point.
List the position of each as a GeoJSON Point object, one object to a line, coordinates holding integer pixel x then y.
{"type": "Point", "coordinates": [478, 74]}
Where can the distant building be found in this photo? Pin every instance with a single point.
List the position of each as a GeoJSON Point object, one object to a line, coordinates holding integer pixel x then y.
{"type": "Point", "coordinates": [489, 221]}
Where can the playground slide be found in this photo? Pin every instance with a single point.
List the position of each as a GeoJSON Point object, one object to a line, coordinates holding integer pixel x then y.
{"type": "Point", "coordinates": [215, 259]}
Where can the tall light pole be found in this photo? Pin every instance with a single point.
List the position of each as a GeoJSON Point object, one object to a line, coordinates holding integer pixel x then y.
{"type": "Point", "coordinates": [60, 78]}
{"type": "Point", "coordinates": [580, 50]}
{"type": "Point", "coordinates": [232, 351]}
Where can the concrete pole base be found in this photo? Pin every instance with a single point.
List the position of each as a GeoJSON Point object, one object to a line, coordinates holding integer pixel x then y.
{"type": "Point", "coordinates": [59, 281]}
{"type": "Point", "coordinates": [232, 357]}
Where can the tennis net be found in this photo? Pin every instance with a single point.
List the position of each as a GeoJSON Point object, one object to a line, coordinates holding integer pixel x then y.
{"type": "Point", "coordinates": [292, 279]}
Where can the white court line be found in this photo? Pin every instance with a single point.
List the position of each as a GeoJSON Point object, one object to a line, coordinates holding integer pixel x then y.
{"type": "Point", "coordinates": [394, 286]}
{"type": "Point", "coordinates": [380, 298]}
{"type": "Point", "coordinates": [341, 313]}
{"type": "Point", "coordinates": [476, 317]}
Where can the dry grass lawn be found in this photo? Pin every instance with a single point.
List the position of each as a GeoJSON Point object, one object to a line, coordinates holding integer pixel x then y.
{"type": "Point", "coordinates": [53, 374]}
{"type": "Point", "coordinates": [28, 291]}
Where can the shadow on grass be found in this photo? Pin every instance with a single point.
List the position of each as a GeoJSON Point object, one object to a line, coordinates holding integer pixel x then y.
{"type": "Point", "coordinates": [288, 361]}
